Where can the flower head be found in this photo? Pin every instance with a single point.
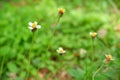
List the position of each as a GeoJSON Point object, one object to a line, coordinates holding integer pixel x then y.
{"type": "Point", "coordinates": [102, 33]}
{"type": "Point", "coordinates": [82, 52]}
{"type": "Point", "coordinates": [108, 58]}
{"type": "Point", "coordinates": [93, 34]}
{"type": "Point", "coordinates": [61, 11]}
{"type": "Point", "coordinates": [34, 26]}
{"type": "Point", "coordinates": [12, 76]}
{"type": "Point", "coordinates": [61, 51]}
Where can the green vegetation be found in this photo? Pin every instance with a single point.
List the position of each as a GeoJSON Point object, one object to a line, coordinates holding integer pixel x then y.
{"type": "Point", "coordinates": [72, 33]}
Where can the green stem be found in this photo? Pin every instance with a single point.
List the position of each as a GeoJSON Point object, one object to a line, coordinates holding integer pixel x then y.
{"type": "Point", "coordinates": [31, 46]}
{"type": "Point", "coordinates": [52, 36]}
{"type": "Point", "coordinates": [93, 52]}
{"type": "Point", "coordinates": [93, 49]}
{"type": "Point", "coordinates": [86, 72]}
{"type": "Point", "coordinates": [2, 67]}
{"type": "Point", "coordinates": [53, 33]}
{"type": "Point", "coordinates": [30, 52]}
{"type": "Point", "coordinates": [86, 68]}
{"type": "Point", "coordinates": [62, 60]}
{"type": "Point", "coordinates": [93, 77]}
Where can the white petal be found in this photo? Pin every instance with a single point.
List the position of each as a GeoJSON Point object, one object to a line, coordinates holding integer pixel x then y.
{"type": "Point", "coordinates": [64, 51]}
{"type": "Point", "coordinates": [30, 23]}
{"type": "Point", "coordinates": [60, 48]}
{"type": "Point", "coordinates": [30, 28]}
{"type": "Point", "coordinates": [57, 51]}
{"type": "Point", "coordinates": [90, 33]}
{"type": "Point", "coordinates": [38, 26]}
{"type": "Point", "coordinates": [35, 22]}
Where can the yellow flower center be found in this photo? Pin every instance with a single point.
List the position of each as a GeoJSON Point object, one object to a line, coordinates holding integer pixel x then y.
{"type": "Point", "coordinates": [61, 51]}
{"type": "Point", "coordinates": [34, 25]}
{"type": "Point", "coordinates": [61, 11]}
{"type": "Point", "coordinates": [93, 35]}
{"type": "Point", "coordinates": [108, 58]}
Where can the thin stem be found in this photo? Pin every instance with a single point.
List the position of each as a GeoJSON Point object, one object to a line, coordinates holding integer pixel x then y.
{"type": "Point", "coordinates": [52, 36]}
{"type": "Point", "coordinates": [2, 67]}
{"type": "Point", "coordinates": [86, 68]}
{"type": "Point", "coordinates": [62, 60]}
{"type": "Point", "coordinates": [93, 77]}
{"type": "Point", "coordinates": [30, 51]}
{"type": "Point", "coordinates": [93, 52]}
{"type": "Point", "coordinates": [93, 49]}
{"type": "Point", "coordinates": [53, 32]}
{"type": "Point", "coordinates": [86, 74]}
{"type": "Point", "coordinates": [31, 47]}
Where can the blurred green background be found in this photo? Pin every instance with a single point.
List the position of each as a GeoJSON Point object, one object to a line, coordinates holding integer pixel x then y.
{"type": "Point", "coordinates": [72, 33]}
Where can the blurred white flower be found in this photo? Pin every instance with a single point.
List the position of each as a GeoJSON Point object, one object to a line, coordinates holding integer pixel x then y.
{"type": "Point", "coordinates": [34, 26]}
{"type": "Point", "coordinates": [11, 75]}
{"type": "Point", "coordinates": [93, 34]}
{"type": "Point", "coordinates": [108, 58]}
{"type": "Point", "coordinates": [102, 33]}
{"type": "Point", "coordinates": [82, 52]}
{"type": "Point", "coordinates": [61, 51]}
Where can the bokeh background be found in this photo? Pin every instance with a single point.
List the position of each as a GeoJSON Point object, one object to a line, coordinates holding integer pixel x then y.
{"type": "Point", "coordinates": [72, 33]}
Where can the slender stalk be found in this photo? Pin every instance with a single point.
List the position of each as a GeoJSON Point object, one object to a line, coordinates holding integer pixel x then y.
{"type": "Point", "coordinates": [62, 60]}
{"type": "Point", "coordinates": [52, 36]}
{"type": "Point", "coordinates": [29, 61]}
{"type": "Point", "coordinates": [93, 47]}
{"type": "Point", "coordinates": [86, 69]}
{"type": "Point", "coordinates": [31, 47]}
{"type": "Point", "coordinates": [2, 67]}
{"type": "Point", "coordinates": [93, 77]}
{"type": "Point", "coordinates": [86, 74]}
{"type": "Point", "coordinates": [53, 32]}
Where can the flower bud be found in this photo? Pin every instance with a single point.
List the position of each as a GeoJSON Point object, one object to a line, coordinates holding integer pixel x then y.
{"type": "Point", "coordinates": [61, 11]}
{"type": "Point", "coordinates": [93, 34]}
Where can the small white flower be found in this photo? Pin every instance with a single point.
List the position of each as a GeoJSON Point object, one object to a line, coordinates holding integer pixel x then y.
{"type": "Point", "coordinates": [93, 34]}
{"type": "Point", "coordinates": [33, 26]}
{"type": "Point", "coordinates": [61, 51]}
{"type": "Point", "coordinates": [102, 33]}
{"type": "Point", "coordinates": [108, 58]}
{"type": "Point", "coordinates": [82, 52]}
{"type": "Point", "coordinates": [12, 76]}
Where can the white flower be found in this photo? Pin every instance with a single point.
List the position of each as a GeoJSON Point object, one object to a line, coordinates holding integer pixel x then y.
{"type": "Point", "coordinates": [61, 51]}
{"type": "Point", "coordinates": [33, 26]}
{"type": "Point", "coordinates": [93, 34]}
{"type": "Point", "coordinates": [108, 58]}
{"type": "Point", "coordinates": [12, 76]}
{"type": "Point", "coordinates": [82, 52]}
{"type": "Point", "coordinates": [102, 33]}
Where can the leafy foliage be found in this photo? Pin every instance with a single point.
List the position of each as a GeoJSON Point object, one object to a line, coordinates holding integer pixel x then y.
{"type": "Point", "coordinates": [72, 33]}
